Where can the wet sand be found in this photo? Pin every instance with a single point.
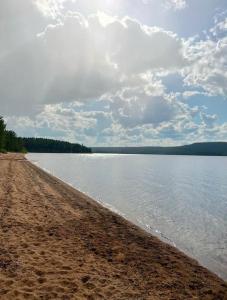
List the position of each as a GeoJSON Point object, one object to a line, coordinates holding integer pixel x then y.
{"type": "Point", "coordinates": [57, 243]}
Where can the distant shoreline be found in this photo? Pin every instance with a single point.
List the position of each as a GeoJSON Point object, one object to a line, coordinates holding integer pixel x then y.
{"type": "Point", "coordinates": [58, 242]}
{"type": "Point", "coordinates": [201, 149]}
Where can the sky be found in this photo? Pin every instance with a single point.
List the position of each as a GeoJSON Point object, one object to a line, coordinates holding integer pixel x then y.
{"type": "Point", "coordinates": [115, 72]}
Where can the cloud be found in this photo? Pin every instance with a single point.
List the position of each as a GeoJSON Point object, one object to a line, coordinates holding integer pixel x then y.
{"type": "Point", "coordinates": [99, 79]}
{"type": "Point", "coordinates": [154, 49]}
{"type": "Point", "coordinates": [175, 4]}
{"type": "Point", "coordinates": [50, 8]}
{"type": "Point", "coordinates": [20, 21]}
{"type": "Point", "coordinates": [208, 120]}
{"type": "Point", "coordinates": [220, 26]}
{"type": "Point", "coordinates": [208, 67]}
{"type": "Point", "coordinates": [78, 58]}
{"type": "Point", "coordinates": [142, 109]}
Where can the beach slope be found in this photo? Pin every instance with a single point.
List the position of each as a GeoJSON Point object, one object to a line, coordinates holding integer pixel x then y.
{"type": "Point", "coordinates": [57, 243]}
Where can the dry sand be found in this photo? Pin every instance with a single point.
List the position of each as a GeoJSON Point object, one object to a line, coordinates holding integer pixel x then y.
{"type": "Point", "coordinates": [57, 243]}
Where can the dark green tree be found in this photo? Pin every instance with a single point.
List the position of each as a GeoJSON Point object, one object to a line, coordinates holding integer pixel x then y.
{"type": "Point", "coordinates": [2, 133]}
{"type": "Point", "coordinates": [53, 146]}
{"type": "Point", "coordinates": [12, 142]}
{"type": "Point", "coordinates": [9, 140]}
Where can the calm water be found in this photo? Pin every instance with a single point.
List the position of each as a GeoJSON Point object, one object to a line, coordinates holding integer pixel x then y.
{"type": "Point", "coordinates": [182, 199]}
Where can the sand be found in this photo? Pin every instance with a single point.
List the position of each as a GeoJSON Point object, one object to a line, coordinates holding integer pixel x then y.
{"type": "Point", "coordinates": [57, 243]}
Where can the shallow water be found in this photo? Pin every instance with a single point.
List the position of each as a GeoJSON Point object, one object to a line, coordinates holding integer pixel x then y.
{"type": "Point", "coordinates": [181, 199]}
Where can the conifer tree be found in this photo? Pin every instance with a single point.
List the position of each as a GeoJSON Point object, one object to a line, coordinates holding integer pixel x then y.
{"type": "Point", "coordinates": [2, 133]}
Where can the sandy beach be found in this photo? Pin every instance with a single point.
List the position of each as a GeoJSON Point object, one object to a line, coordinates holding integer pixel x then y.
{"type": "Point", "coordinates": [57, 243]}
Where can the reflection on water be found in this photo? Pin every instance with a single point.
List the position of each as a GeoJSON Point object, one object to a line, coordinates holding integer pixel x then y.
{"type": "Point", "coordinates": [182, 199]}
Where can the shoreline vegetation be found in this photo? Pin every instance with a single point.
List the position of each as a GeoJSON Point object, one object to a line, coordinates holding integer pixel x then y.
{"type": "Point", "coordinates": [41, 145]}
{"type": "Point", "coordinates": [9, 142]}
{"type": "Point", "coordinates": [57, 243]}
{"type": "Point", "coordinates": [204, 148]}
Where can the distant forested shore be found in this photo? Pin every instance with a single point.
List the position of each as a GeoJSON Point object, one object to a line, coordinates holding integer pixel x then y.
{"type": "Point", "coordinates": [42, 145]}
{"type": "Point", "coordinates": [9, 142]}
{"type": "Point", "coordinates": [204, 148]}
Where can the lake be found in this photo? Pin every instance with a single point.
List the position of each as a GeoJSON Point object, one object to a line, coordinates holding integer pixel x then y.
{"type": "Point", "coordinates": [180, 199]}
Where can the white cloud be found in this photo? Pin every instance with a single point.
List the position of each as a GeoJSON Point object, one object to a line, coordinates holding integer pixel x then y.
{"type": "Point", "coordinates": [81, 58]}
{"type": "Point", "coordinates": [208, 68]}
{"type": "Point", "coordinates": [98, 78]}
{"type": "Point", "coordinates": [188, 94]}
{"type": "Point", "coordinates": [50, 8]}
{"type": "Point", "coordinates": [175, 4]}
{"type": "Point", "coordinates": [208, 120]}
{"type": "Point", "coordinates": [208, 60]}
{"type": "Point", "coordinates": [141, 109]}
{"type": "Point", "coordinates": [136, 48]}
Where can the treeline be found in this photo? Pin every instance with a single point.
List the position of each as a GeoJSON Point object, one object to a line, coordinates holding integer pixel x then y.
{"type": "Point", "coordinates": [205, 148]}
{"type": "Point", "coordinates": [41, 145]}
{"type": "Point", "coordinates": [9, 140]}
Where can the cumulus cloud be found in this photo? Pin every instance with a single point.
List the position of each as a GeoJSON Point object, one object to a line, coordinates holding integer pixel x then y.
{"type": "Point", "coordinates": [142, 109]}
{"type": "Point", "coordinates": [98, 78]}
{"type": "Point", "coordinates": [208, 68]}
{"type": "Point", "coordinates": [81, 58]}
{"type": "Point", "coordinates": [154, 48]}
{"type": "Point", "coordinates": [209, 60]}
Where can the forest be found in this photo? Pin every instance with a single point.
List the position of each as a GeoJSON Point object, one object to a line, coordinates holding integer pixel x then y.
{"type": "Point", "coordinates": [9, 142]}
{"type": "Point", "coordinates": [42, 145]}
{"type": "Point", "coordinates": [202, 148]}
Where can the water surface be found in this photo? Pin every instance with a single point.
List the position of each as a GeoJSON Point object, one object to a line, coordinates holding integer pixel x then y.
{"type": "Point", "coordinates": [181, 199]}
